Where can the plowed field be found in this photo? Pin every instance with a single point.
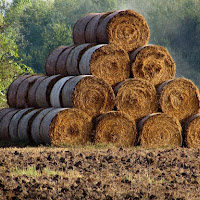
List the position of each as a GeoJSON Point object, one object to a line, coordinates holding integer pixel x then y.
{"type": "Point", "coordinates": [99, 173]}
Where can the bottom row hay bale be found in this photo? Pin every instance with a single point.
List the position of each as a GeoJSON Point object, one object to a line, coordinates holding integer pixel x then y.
{"type": "Point", "coordinates": [117, 128]}
{"type": "Point", "coordinates": [192, 131]}
{"type": "Point", "coordinates": [160, 130]}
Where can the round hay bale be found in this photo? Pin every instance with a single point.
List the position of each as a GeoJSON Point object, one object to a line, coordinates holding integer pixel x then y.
{"type": "Point", "coordinates": [179, 98]}
{"type": "Point", "coordinates": [44, 89]}
{"type": "Point", "coordinates": [62, 60]}
{"type": "Point", "coordinates": [136, 97]}
{"type": "Point", "coordinates": [91, 28]}
{"type": "Point", "coordinates": [13, 125]}
{"type": "Point", "coordinates": [106, 61]}
{"type": "Point", "coordinates": [35, 126]}
{"type": "Point", "coordinates": [88, 93]}
{"type": "Point", "coordinates": [153, 63]}
{"type": "Point", "coordinates": [50, 63]}
{"type": "Point", "coordinates": [160, 130]}
{"type": "Point", "coordinates": [31, 98]}
{"type": "Point", "coordinates": [22, 91]}
{"type": "Point", "coordinates": [12, 90]}
{"type": "Point", "coordinates": [66, 126]}
{"type": "Point", "coordinates": [127, 29]}
{"type": "Point", "coordinates": [55, 95]}
{"type": "Point", "coordinates": [79, 28]}
{"type": "Point", "coordinates": [24, 126]}
{"type": "Point", "coordinates": [115, 127]}
{"type": "Point", "coordinates": [73, 59]}
{"type": "Point", "coordinates": [191, 131]}
{"type": "Point", "coordinates": [4, 125]}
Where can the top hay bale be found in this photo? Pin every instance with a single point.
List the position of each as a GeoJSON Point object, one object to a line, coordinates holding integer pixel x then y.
{"type": "Point", "coordinates": [126, 28]}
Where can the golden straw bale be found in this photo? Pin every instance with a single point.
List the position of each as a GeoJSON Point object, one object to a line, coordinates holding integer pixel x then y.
{"type": "Point", "coordinates": [160, 130]}
{"type": "Point", "coordinates": [179, 98]}
{"type": "Point", "coordinates": [115, 127]}
{"type": "Point", "coordinates": [106, 61]}
{"type": "Point", "coordinates": [50, 62]}
{"type": "Point", "coordinates": [125, 28]}
{"type": "Point", "coordinates": [66, 126]}
{"type": "Point", "coordinates": [136, 97]}
{"type": "Point", "coordinates": [153, 63]}
{"type": "Point", "coordinates": [88, 93]}
{"type": "Point", "coordinates": [191, 131]}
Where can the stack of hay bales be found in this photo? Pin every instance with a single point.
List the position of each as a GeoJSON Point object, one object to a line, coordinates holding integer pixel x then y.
{"type": "Point", "coordinates": [110, 86]}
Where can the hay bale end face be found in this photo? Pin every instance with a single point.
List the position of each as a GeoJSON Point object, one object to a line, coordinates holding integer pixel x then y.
{"type": "Point", "coordinates": [66, 127]}
{"type": "Point", "coordinates": [136, 97]}
{"type": "Point", "coordinates": [191, 131]}
{"type": "Point", "coordinates": [160, 130]}
{"type": "Point", "coordinates": [153, 63]}
{"type": "Point", "coordinates": [179, 98]}
{"type": "Point", "coordinates": [127, 29]}
{"type": "Point", "coordinates": [106, 61]}
{"type": "Point", "coordinates": [88, 93]}
{"type": "Point", "coordinates": [117, 128]}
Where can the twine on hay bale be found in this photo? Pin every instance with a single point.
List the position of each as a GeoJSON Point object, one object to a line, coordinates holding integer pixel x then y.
{"type": "Point", "coordinates": [191, 131]}
{"type": "Point", "coordinates": [50, 62]}
{"type": "Point", "coordinates": [63, 126]}
{"type": "Point", "coordinates": [153, 63]}
{"type": "Point", "coordinates": [106, 61]}
{"type": "Point", "coordinates": [136, 97]}
{"type": "Point", "coordinates": [115, 127]}
{"type": "Point", "coordinates": [12, 90]}
{"type": "Point", "coordinates": [88, 93]}
{"type": "Point", "coordinates": [78, 33]}
{"type": "Point", "coordinates": [125, 28]}
{"type": "Point", "coordinates": [179, 98]}
{"type": "Point", "coordinates": [160, 130]}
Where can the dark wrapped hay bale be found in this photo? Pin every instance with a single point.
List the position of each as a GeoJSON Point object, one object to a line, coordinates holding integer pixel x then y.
{"type": "Point", "coordinates": [79, 28]}
{"type": "Point", "coordinates": [160, 130]}
{"type": "Point", "coordinates": [55, 95]}
{"type": "Point", "coordinates": [66, 126]}
{"type": "Point", "coordinates": [191, 131]}
{"type": "Point", "coordinates": [35, 126]}
{"type": "Point", "coordinates": [31, 98]}
{"type": "Point", "coordinates": [106, 61]}
{"type": "Point", "coordinates": [153, 63]}
{"type": "Point", "coordinates": [22, 91]}
{"type": "Point", "coordinates": [12, 90]}
{"type": "Point", "coordinates": [13, 125]}
{"type": "Point", "coordinates": [115, 127]}
{"type": "Point", "coordinates": [72, 64]}
{"type": "Point", "coordinates": [179, 98]}
{"type": "Point", "coordinates": [4, 124]}
{"type": "Point", "coordinates": [24, 126]}
{"type": "Point", "coordinates": [127, 29]}
{"type": "Point", "coordinates": [88, 93]}
{"type": "Point", "coordinates": [50, 63]}
{"type": "Point", "coordinates": [136, 97]}
{"type": "Point", "coordinates": [62, 61]}
{"type": "Point", "coordinates": [44, 89]}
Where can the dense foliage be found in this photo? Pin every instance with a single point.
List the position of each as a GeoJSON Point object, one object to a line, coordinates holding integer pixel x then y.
{"type": "Point", "coordinates": [31, 29]}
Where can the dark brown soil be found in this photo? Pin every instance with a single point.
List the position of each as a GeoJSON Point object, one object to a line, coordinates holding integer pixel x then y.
{"type": "Point", "coordinates": [99, 173]}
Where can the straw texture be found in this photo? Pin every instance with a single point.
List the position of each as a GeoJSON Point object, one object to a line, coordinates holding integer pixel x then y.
{"type": "Point", "coordinates": [153, 63]}
{"type": "Point", "coordinates": [160, 130]}
{"type": "Point", "coordinates": [115, 127]}
{"type": "Point", "coordinates": [136, 97]}
{"type": "Point", "coordinates": [179, 98]}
